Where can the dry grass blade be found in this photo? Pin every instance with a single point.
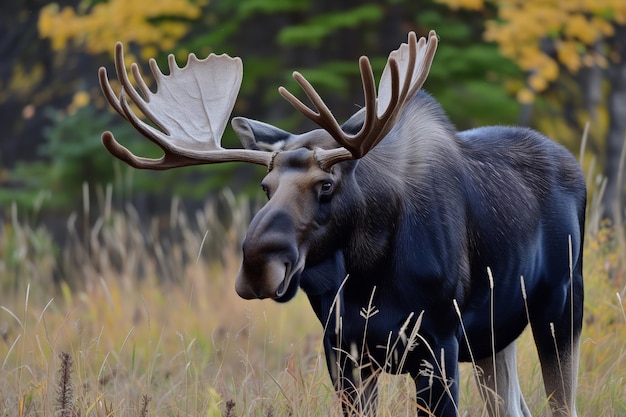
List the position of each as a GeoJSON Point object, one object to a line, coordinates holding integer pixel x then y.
{"type": "Point", "coordinates": [65, 388]}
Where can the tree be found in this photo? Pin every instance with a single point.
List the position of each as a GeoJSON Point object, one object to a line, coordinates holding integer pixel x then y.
{"type": "Point", "coordinates": [560, 44]}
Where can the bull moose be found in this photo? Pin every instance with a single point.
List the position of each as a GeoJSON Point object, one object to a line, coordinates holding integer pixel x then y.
{"type": "Point", "coordinates": [418, 246]}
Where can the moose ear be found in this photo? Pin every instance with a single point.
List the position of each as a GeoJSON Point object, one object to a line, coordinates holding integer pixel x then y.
{"type": "Point", "coordinates": [258, 135]}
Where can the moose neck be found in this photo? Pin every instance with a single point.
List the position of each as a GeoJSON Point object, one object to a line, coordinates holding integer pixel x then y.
{"type": "Point", "coordinates": [398, 179]}
{"type": "Point", "coordinates": [373, 228]}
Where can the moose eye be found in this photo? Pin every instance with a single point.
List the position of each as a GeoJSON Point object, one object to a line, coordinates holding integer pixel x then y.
{"type": "Point", "coordinates": [327, 187]}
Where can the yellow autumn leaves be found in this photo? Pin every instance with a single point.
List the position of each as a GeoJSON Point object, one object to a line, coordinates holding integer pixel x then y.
{"type": "Point", "coordinates": [99, 27]}
{"type": "Point", "coordinates": [571, 27]}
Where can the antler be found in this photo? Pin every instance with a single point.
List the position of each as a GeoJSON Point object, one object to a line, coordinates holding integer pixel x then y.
{"type": "Point", "coordinates": [190, 107]}
{"type": "Point", "coordinates": [410, 63]}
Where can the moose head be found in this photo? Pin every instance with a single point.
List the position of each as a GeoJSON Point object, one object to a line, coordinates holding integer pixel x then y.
{"type": "Point", "coordinates": [190, 109]}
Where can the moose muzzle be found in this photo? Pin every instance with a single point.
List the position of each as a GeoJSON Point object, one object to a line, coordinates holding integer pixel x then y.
{"type": "Point", "coordinates": [270, 257]}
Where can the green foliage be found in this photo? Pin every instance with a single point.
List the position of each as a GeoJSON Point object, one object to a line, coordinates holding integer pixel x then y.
{"type": "Point", "coordinates": [251, 7]}
{"type": "Point", "coordinates": [330, 76]}
{"type": "Point", "coordinates": [316, 29]}
{"type": "Point", "coordinates": [468, 76]}
{"type": "Point", "coordinates": [74, 149]}
{"type": "Point", "coordinates": [71, 156]}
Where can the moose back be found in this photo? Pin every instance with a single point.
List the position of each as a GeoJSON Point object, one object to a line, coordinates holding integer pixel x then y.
{"type": "Point", "coordinates": [433, 246]}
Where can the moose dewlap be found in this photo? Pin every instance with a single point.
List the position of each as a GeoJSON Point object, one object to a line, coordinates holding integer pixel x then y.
{"type": "Point", "coordinates": [458, 239]}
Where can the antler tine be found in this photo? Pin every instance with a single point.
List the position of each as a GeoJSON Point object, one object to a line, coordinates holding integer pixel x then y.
{"type": "Point", "coordinates": [140, 102]}
{"type": "Point", "coordinates": [405, 73]}
{"type": "Point", "coordinates": [398, 98]}
{"type": "Point", "coordinates": [369, 94]}
{"type": "Point", "coordinates": [373, 121]}
{"type": "Point", "coordinates": [421, 72]}
{"type": "Point", "coordinates": [108, 92]}
{"type": "Point", "coordinates": [190, 109]}
{"type": "Point", "coordinates": [122, 153]}
{"type": "Point", "coordinates": [134, 68]}
{"type": "Point", "coordinates": [323, 116]}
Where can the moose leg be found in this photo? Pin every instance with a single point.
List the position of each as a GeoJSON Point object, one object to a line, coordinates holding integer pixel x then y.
{"type": "Point", "coordinates": [558, 354]}
{"type": "Point", "coordinates": [556, 330]}
{"type": "Point", "coordinates": [358, 395]}
{"type": "Point", "coordinates": [347, 390]}
{"type": "Point", "coordinates": [341, 374]}
{"type": "Point", "coordinates": [499, 387]}
{"type": "Point", "coordinates": [436, 383]}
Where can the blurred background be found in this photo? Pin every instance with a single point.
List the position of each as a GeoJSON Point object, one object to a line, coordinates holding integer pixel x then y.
{"type": "Point", "coordinates": [131, 272]}
{"type": "Point", "coordinates": [557, 66]}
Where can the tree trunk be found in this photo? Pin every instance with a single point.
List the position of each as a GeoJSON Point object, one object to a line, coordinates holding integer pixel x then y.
{"type": "Point", "coordinates": [616, 136]}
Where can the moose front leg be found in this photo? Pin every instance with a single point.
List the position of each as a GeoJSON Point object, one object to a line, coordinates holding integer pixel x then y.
{"type": "Point", "coordinates": [368, 390]}
{"type": "Point", "coordinates": [341, 372]}
{"type": "Point", "coordinates": [357, 386]}
{"type": "Point", "coordinates": [436, 381]}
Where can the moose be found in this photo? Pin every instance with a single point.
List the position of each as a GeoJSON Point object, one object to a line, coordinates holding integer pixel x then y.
{"type": "Point", "coordinates": [418, 246]}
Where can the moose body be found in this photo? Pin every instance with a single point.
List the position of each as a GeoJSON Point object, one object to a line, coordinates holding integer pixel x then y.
{"type": "Point", "coordinates": [414, 225]}
{"type": "Point", "coordinates": [418, 246]}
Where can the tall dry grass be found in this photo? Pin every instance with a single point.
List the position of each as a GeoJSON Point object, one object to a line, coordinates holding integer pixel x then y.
{"type": "Point", "coordinates": [147, 312]}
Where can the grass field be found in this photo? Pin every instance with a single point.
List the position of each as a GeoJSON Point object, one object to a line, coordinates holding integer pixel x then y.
{"type": "Point", "coordinates": [145, 321]}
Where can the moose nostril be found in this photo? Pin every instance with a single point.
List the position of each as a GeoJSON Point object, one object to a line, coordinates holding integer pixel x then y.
{"type": "Point", "coordinates": [282, 288]}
